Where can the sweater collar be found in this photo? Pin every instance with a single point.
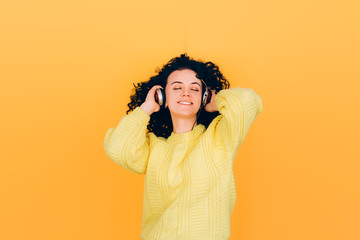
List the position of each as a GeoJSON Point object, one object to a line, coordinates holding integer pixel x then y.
{"type": "Point", "coordinates": [188, 136]}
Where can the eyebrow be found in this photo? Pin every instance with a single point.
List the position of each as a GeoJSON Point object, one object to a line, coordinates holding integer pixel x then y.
{"type": "Point", "coordinates": [183, 83]}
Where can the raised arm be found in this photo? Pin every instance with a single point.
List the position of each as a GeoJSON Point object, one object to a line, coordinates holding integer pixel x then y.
{"type": "Point", "coordinates": [128, 144]}
{"type": "Point", "coordinates": [239, 107]}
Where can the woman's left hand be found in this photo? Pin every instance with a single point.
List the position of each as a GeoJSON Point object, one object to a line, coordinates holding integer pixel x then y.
{"type": "Point", "coordinates": [211, 106]}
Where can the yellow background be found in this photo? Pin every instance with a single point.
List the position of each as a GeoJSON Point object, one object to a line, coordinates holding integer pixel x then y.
{"type": "Point", "coordinates": [67, 68]}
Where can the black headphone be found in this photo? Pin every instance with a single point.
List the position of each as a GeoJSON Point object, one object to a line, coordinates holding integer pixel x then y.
{"type": "Point", "coordinates": [160, 95]}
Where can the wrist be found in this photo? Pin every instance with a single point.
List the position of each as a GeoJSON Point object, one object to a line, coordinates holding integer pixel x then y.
{"type": "Point", "coordinates": [147, 109]}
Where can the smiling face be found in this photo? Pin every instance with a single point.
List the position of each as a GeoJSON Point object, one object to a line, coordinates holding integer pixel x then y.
{"type": "Point", "coordinates": [183, 93]}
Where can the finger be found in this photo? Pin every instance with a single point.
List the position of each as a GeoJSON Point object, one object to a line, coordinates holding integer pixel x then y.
{"type": "Point", "coordinates": [152, 90]}
{"type": "Point", "coordinates": [156, 87]}
{"type": "Point", "coordinates": [213, 93]}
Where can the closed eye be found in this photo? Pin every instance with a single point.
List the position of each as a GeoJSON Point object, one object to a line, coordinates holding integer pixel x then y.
{"type": "Point", "coordinates": [177, 88]}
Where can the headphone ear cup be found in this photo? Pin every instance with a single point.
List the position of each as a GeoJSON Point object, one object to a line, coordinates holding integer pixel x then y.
{"type": "Point", "coordinates": [208, 97]}
{"type": "Point", "coordinates": [164, 97]}
{"type": "Point", "coordinates": [205, 97]}
{"type": "Point", "coordinates": [160, 96]}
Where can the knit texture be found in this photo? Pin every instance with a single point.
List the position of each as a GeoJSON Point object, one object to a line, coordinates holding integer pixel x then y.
{"type": "Point", "coordinates": [189, 190]}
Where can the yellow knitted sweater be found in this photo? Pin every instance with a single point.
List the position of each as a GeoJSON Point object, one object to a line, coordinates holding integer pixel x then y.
{"type": "Point", "coordinates": [189, 190]}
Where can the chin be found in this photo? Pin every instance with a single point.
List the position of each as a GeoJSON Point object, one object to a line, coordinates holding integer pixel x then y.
{"type": "Point", "coordinates": [186, 111]}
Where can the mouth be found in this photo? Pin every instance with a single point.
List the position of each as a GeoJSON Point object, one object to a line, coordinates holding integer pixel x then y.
{"type": "Point", "coordinates": [185, 103]}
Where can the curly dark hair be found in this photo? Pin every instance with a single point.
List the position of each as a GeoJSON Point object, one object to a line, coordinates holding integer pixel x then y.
{"type": "Point", "coordinates": [160, 122]}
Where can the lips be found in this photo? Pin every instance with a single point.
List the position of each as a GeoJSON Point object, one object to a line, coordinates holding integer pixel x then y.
{"type": "Point", "coordinates": [185, 103]}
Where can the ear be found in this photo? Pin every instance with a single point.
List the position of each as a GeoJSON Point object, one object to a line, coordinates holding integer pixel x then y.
{"type": "Point", "coordinates": [166, 104]}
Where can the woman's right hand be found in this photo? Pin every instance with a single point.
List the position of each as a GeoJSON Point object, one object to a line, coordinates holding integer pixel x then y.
{"type": "Point", "coordinates": [150, 105]}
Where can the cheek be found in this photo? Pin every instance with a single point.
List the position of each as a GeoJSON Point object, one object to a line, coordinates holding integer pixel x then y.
{"type": "Point", "coordinates": [170, 97]}
{"type": "Point", "coordinates": [199, 97]}
{"type": "Point", "coordinates": [172, 94]}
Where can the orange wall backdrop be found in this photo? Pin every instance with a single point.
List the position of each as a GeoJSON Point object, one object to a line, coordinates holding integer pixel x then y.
{"type": "Point", "coordinates": [66, 71]}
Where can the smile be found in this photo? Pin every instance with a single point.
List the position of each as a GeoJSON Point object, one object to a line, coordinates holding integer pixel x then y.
{"type": "Point", "coordinates": [186, 103]}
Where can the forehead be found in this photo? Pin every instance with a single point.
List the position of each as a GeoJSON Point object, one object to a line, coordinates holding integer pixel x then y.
{"type": "Point", "coordinates": [184, 75]}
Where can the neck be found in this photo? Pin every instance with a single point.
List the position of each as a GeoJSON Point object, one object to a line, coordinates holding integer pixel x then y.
{"type": "Point", "coordinates": [183, 125]}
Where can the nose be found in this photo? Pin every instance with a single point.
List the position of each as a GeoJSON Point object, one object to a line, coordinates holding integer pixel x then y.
{"type": "Point", "coordinates": [186, 92]}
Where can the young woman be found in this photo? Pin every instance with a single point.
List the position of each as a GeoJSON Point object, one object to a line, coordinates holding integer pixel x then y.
{"type": "Point", "coordinates": [183, 131]}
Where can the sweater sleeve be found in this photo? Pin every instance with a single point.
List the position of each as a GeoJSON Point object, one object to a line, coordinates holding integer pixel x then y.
{"type": "Point", "coordinates": [128, 143]}
{"type": "Point", "coordinates": [239, 107]}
